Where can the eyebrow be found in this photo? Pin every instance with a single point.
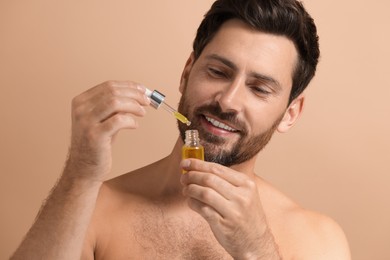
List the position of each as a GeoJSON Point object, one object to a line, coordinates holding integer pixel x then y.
{"type": "Point", "coordinates": [253, 74]}
{"type": "Point", "coordinates": [225, 61]}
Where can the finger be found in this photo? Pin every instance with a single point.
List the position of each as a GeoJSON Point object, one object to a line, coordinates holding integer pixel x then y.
{"type": "Point", "coordinates": [114, 88]}
{"type": "Point", "coordinates": [209, 180]}
{"type": "Point", "coordinates": [105, 94]}
{"type": "Point", "coordinates": [119, 121]}
{"type": "Point", "coordinates": [114, 105]}
{"type": "Point", "coordinates": [124, 89]}
{"type": "Point", "coordinates": [209, 197]}
{"type": "Point", "coordinates": [233, 177]}
{"type": "Point", "coordinates": [128, 89]}
{"type": "Point", "coordinates": [206, 211]}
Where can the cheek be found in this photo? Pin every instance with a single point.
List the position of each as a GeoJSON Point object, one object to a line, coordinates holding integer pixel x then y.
{"type": "Point", "coordinates": [198, 91]}
{"type": "Point", "coordinates": [264, 117]}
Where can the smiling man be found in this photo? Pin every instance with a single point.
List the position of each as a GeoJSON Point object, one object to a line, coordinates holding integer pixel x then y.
{"type": "Point", "coordinates": [251, 62]}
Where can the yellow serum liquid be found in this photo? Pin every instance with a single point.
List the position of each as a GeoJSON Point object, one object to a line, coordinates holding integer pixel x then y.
{"type": "Point", "coordinates": [193, 152]}
{"type": "Point", "coordinates": [181, 118]}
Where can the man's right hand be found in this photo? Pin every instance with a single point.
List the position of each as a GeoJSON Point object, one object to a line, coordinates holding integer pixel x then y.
{"type": "Point", "coordinates": [97, 116]}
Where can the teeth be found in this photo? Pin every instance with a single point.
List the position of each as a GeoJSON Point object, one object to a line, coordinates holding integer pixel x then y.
{"type": "Point", "coordinates": [219, 124]}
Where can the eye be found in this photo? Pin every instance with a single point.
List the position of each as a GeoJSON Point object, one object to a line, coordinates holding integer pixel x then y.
{"type": "Point", "coordinates": [216, 73]}
{"type": "Point", "coordinates": [260, 90]}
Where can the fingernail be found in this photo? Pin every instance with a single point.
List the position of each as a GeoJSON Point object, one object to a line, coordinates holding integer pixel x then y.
{"type": "Point", "coordinates": [141, 87]}
{"type": "Point", "coordinates": [185, 163]}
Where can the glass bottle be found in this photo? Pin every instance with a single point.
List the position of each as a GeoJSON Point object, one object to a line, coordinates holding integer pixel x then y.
{"type": "Point", "coordinates": [192, 147]}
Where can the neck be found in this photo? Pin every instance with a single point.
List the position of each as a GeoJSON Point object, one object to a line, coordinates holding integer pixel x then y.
{"type": "Point", "coordinates": [163, 176]}
{"type": "Point", "coordinates": [168, 172]}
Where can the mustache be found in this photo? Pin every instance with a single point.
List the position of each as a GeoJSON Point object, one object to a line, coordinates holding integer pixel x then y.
{"type": "Point", "coordinates": [230, 117]}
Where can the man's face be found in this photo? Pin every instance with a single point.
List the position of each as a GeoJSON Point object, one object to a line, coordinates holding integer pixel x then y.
{"type": "Point", "coordinates": [236, 92]}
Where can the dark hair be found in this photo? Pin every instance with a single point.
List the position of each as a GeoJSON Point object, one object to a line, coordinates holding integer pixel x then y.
{"type": "Point", "coordinates": [280, 17]}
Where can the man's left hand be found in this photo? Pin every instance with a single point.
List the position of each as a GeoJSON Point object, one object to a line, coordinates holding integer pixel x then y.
{"type": "Point", "coordinates": [229, 201]}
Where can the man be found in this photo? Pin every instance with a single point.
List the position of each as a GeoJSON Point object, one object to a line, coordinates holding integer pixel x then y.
{"type": "Point", "coordinates": [251, 62]}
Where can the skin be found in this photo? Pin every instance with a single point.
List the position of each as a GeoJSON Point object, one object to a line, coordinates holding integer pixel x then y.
{"type": "Point", "coordinates": [212, 211]}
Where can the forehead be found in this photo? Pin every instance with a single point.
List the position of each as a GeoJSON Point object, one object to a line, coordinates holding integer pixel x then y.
{"type": "Point", "coordinates": [254, 51]}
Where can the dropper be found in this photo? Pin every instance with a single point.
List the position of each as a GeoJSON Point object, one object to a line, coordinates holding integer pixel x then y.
{"type": "Point", "coordinates": [157, 100]}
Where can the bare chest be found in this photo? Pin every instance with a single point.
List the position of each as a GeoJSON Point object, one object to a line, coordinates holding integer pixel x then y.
{"type": "Point", "coordinates": [157, 234]}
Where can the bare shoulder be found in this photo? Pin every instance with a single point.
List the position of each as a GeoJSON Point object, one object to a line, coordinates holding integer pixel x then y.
{"type": "Point", "coordinates": [302, 233]}
{"type": "Point", "coordinates": [113, 214]}
{"type": "Point", "coordinates": [124, 191]}
{"type": "Point", "coordinates": [318, 236]}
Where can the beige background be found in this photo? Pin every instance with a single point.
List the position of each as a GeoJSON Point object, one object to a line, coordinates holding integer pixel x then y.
{"type": "Point", "coordinates": [336, 160]}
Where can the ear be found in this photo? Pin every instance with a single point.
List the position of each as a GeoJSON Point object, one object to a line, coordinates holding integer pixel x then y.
{"type": "Point", "coordinates": [186, 72]}
{"type": "Point", "coordinates": [292, 113]}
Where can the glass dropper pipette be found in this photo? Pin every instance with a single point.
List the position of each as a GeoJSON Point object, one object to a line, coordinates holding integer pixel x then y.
{"type": "Point", "coordinates": [157, 101]}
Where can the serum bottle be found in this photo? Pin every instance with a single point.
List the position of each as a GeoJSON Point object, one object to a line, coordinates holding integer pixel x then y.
{"type": "Point", "coordinates": [192, 147]}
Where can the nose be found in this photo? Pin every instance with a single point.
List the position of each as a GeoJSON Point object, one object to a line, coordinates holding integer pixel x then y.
{"type": "Point", "coordinates": [231, 97]}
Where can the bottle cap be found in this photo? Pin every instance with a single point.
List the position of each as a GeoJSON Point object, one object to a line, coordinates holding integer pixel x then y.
{"type": "Point", "coordinates": [156, 98]}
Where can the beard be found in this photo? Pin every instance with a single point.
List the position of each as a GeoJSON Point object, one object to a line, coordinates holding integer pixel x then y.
{"type": "Point", "coordinates": [215, 147]}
